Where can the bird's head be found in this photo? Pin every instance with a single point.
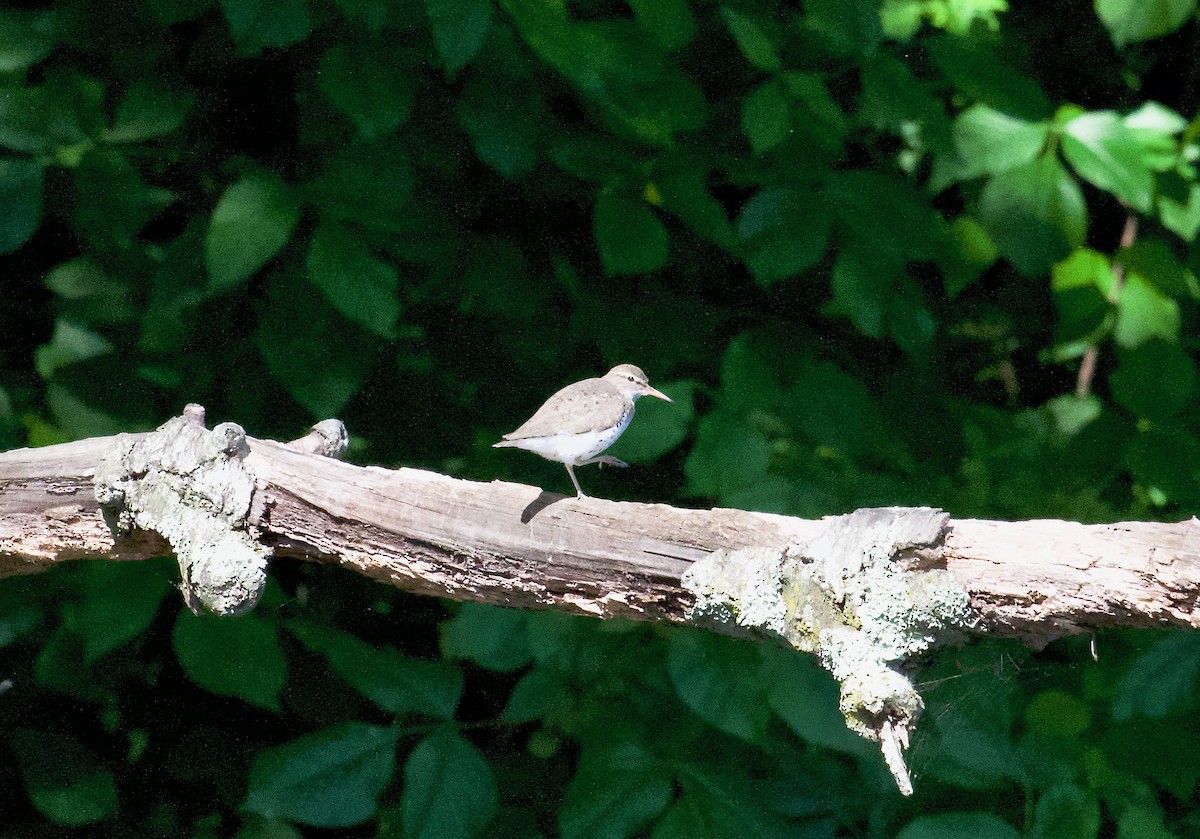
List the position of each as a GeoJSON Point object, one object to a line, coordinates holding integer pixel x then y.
{"type": "Point", "coordinates": [632, 382]}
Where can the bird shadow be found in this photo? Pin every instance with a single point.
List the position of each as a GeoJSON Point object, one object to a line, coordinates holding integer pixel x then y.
{"type": "Point", "coordinates": [544, 500]}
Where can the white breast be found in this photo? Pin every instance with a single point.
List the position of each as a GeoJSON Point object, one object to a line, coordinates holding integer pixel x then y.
{"type": "Point", "coordinates": [572, 448]}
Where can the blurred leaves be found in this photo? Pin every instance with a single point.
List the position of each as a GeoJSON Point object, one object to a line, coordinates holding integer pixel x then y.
{"type": "Point", "coordinates": [65, 781]}
{"type": "Point", "coordinates": [330, 778]}
{"type": "Point", "coordinates": [20, 201]}
{"type": "Point", "coordinates": [864, 247]}
{"type": "Point", "coordinates": [250, 224]}
{"type": "Point", "coordinates": [1035, 213]}
{"type": "Point", "coordinates": [459, 27]}
{"type": "Point", "coordinates": [629, 236]}
{"type": "Point", "coordinates": [394, 682]}
{"type": "Point", "coordinates": [449, 790]}
{"type": "Point", "coordinates": [1131, 20]}
{"type": "Point", "coordinates": [232, 656]}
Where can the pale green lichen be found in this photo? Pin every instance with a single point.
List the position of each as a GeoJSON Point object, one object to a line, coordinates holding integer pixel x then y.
{"type": "Point", "coordinates": [845, 597]}
{"type": "Point", "coordinates": [192, 486]}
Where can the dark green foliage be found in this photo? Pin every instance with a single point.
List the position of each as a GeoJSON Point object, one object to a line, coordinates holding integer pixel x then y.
{"type": "Point", "coordinates": [865, 246]}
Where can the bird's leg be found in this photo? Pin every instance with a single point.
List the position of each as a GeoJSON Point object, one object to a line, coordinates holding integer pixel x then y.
{"type": "Point", "coordinates": [571, 472]}
{"type": "Point", "coordinates": [603, 460]}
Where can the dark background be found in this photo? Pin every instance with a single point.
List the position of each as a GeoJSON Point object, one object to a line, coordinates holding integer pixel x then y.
{"type": "Point", "coordinates": [865, 248]}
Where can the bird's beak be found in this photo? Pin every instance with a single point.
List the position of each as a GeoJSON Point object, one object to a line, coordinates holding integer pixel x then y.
{"type": "Point", "coordinates": [649, 391]}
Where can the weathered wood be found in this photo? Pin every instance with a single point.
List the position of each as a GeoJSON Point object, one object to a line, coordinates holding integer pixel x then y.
{"type": "Point", "coordinates": [515, 545]}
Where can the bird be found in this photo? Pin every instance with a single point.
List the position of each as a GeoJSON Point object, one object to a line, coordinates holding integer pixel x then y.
{"type": "Point", "coordinates": [583, 419]}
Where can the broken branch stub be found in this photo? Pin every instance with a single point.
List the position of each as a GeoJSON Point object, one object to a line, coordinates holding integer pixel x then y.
{"type": "Point", "coordinates": [192, 486]}
{"type": "Point", "coordinates": [853, 596]}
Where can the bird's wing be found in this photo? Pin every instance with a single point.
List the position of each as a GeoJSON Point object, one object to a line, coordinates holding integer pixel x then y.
{"type": "Point", "coordinates": [590, 405]}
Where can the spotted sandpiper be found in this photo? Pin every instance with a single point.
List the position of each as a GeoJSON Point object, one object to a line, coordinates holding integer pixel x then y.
{"type": "Point", "coordinates": [583, 419]}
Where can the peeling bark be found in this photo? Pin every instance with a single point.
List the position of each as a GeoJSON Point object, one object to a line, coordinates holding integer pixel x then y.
{"type": "Point", "coordinates": [514, 545]}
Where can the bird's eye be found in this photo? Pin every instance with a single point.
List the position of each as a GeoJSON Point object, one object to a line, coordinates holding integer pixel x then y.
{"type": "Point", "coordinates": [630, 378]}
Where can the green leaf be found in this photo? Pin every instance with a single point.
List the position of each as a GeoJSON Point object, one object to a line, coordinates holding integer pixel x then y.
{"type": "Point", "coordinates": [1055, 713]}
{"type": "Point", "coordinates": [395, 682]}
{"type": "Point", "coordinates": [360, 286]}
{"type": "Point", "coordinates": [319, 356]}
{"type": "Point", "coordinates": [490, 283]}
{"type": "Point", "coordinates": [25, 38]}
{"type": "Point", "coordinates": [1159, 679]}
{"type": "Point", "coordinates": [783, 234]}
{"type": "Point", "coordinates": [957, 826]}
{"type": "Point", "coordinates": [727, 456]}
{"type": "Point", "coordinates": [1073, 413]}
{"type": "Point", "coordinates": [971, 743]}
{"type": "Point", "coordinates": [20, 612]}
{"type": "Point", "coordinates": [330, 778]}
{"type": "Point", "coordinates": [20, 201]}
{"type": "Point", "coordinates": [752, 40]}
{"type": "Point", "coordinates": [615, 792]}
{"type": "Point", "coordinates": [1155, 262]}
{"type": "Point", "coordinates": [1035, 214]}
{"type": "Point", "coordinates": [972, 252]}
{"type": "Point", "coordinates": [147, 112]}
{"type": "Point", "coordinates": [77, 417]}
{"type": "Point", "coordinates": [259, 24]}
{"type": "Point", "coordinates": [502, 125]}
{"type": "Point", "coordinates": [487, 635]}
{"type": "Point", "coordinates": [539, 693]}
{"type": "Point", "coordinates": [366, 183]}
{"type": "Point", "coordinates": [70, 343]}
{"type": "Point", "coordinates": [1181, 217]}
{"type": "Point", "coordinates": [1111, 156]}
{"type": "Point", "coordinates": [670, 22]}
{"type": "Point", "coordinates": [717, 678]}
{"type": "Point", "coordinates": [1144, 313]}
{"type": "Point", "coordinates": [806, 698]}
{"type": "Point", "coordinates": [1156, 118]}
{"type": "Point", "coordinates": [1155, 380]}
{"type": "Point", "coordinates": [868, 203]}
{"type": "Point", "coordinates": [903, 18]}
{"type": "Point", "coordinates": [991, 142]}
{"type": "Point", "coordinates": [818, 121]}
{"type": "Point", "coordinates": [372, 14]}
{"type": "Point", "coordinates": [64, 780]}
{"type": "Point", "coordinates": [721, 802]}
{"type": "Point", "coordinates": [113, 203]}
{"type": "Point", "coordinates": [238, 657]}
{"type": "Point", "coordinates": [1165, 459]}
{"type": "Point", "coordinates": [459, 28]}
{"type": "Point", "coordinates": [844, 27]}
{"type": "Point", "coordinates": [658, 427]}
{"type": "Point", "coordinates": [40, 120]}
{"type": "Point", "coordinates": [1135, 823]}
{"type": "Point", "coordinates": [685, 193]}
{"type": "Point", "coordinates": [1066, 812]}
{"type": "Point", "coordinates": [367, 83]}
{"type": "Point", "coordinates": [617, 67]}
{"type": "Point", "coordinates": [629, 235]}
{"type": "Point", "coordinates": [861, 285]}
{"type": "Point", "coordinates": [251, 223]}
{"type": "Point", "coordinates": [988, 71]}
{"type": "Point", "coordinates": [118, 601]}
{"type": "Point", "coordinates": [449, 790]}
{"type": "Point", "coordinates": [766, 117]}
{"type": "Point", "coordinates": [1129, 21]}
{"type": "Point", "coordinates": [1083, 285]}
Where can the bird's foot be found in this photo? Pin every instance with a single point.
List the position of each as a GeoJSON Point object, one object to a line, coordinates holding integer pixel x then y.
{"type": "Point", "coordinates": [608, 460]}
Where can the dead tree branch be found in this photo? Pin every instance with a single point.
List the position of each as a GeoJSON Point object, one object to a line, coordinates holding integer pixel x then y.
{"type": "Point", "coordinates": [808, 583]}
